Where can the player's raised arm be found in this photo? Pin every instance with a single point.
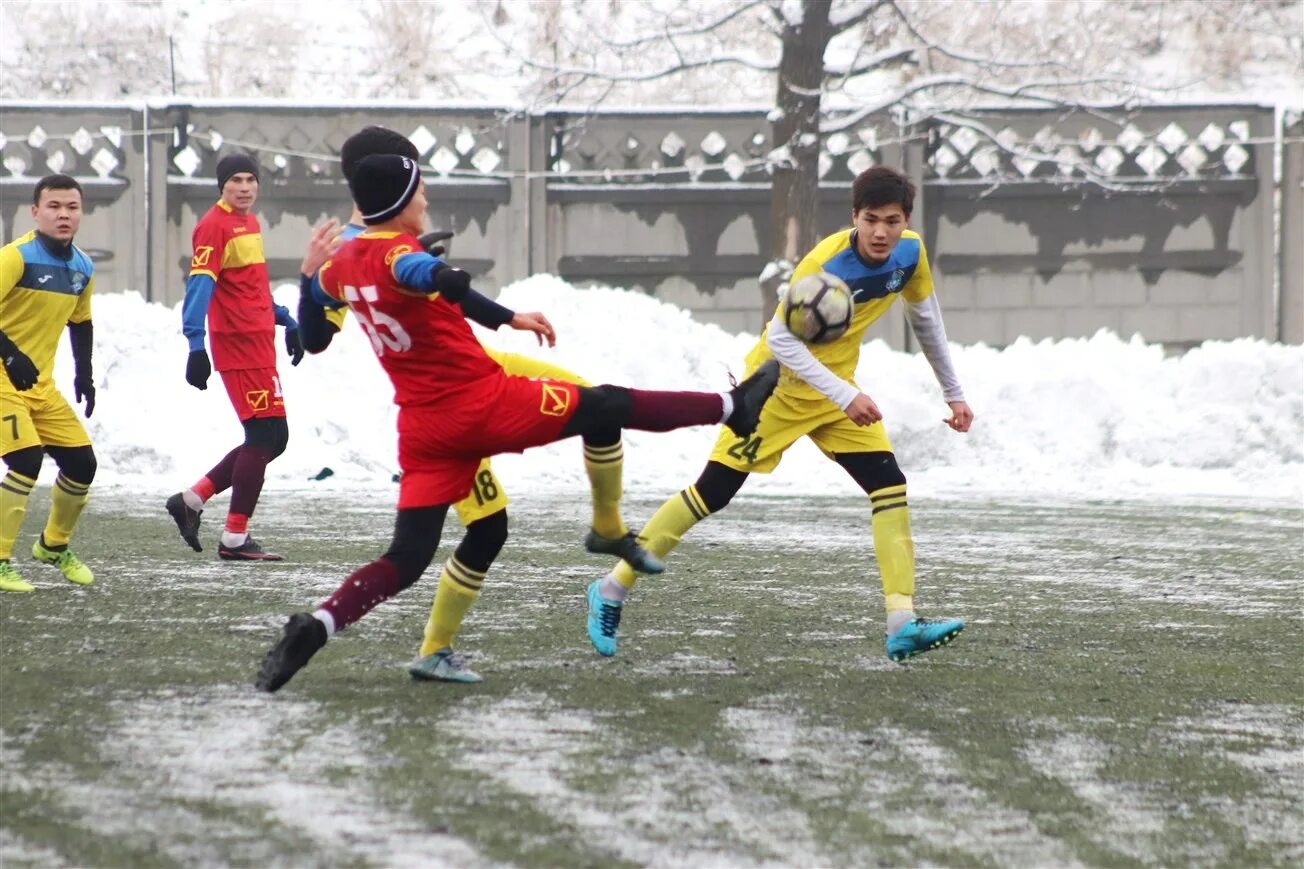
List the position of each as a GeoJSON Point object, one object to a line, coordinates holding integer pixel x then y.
{"type": "Point", "coordinates": [316, 326]}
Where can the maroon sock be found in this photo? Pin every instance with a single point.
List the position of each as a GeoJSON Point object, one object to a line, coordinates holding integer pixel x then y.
{"type": "Point", "coordinates": [247, 479]}
{"type": "Point", "coordinates": [666, 411]}
{"type": "Point", "coordinates": [365, 588]}
{"type": "Point", "coordinates": [220, 476]}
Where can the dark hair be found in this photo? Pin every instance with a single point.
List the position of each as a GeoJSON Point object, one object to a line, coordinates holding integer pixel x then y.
{"type": "Point", "coordinates": [374, 140]}
{"type": "Point", "coordinates": [54, 182]}
{"type": "Point", "coordinates": [882, 185]}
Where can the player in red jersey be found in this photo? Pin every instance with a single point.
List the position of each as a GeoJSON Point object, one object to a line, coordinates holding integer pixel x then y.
{"type": "Point", "coordinates": [229, 286]}
{"type": "Point", "coordinates": [456, 405]}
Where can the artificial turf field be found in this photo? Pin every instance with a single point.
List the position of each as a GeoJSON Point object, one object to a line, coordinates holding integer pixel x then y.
{"type": "Point", "coordinates": [1129, 692]}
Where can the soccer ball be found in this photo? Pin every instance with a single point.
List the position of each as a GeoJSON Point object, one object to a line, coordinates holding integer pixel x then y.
{"type": "Point", "coordinates": [818, 308]}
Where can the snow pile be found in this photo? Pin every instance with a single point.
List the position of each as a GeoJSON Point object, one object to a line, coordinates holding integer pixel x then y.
{"type": "Point", "coordinates": [1099, 417]}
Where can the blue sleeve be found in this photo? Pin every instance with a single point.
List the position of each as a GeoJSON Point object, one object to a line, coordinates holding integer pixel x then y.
{"type": "Point", "coordinates": [194, 310]}
{"type": "Point", "coordinates": [417, 270]}
{"type": "Point", "coordinates": [283, 317]}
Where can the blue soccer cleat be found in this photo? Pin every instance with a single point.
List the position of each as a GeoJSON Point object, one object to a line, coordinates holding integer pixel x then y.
{"type": "Point", "coordinates": [604, 618]}
{"type": "Point", "coordinates": [922, 635]}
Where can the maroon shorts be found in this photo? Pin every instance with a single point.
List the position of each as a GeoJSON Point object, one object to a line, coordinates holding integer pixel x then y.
{"type": "Point", "coordinates": [441, 445]}
{"type": "Point", "coordinates": [255, 392]}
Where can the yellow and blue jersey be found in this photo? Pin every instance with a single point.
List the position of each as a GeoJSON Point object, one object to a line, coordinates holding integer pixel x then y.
{"type": "Point", "coordinates": [874, 287]}
{"type": "Point", "coordinates": [41, 291]}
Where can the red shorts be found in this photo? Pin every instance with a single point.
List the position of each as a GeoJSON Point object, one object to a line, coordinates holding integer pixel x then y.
{"type": "Point", "coordinates": [441, 445]}
{"type": "Point", "coordinates": [255, 392]}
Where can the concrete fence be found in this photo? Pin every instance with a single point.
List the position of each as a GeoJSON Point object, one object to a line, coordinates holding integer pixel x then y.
{"type": "Point", "coordinates": [1044, 224]}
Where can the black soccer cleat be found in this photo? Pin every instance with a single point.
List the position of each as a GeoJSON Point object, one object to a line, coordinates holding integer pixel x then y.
{"type": "Point", "coordinates": [750, 396]}
{"type": "Point", "coordinates": [626, 547]}
{"type": "Point", "coordinates": [187, 520]}
{"type": "Point", "coordinates": [250, 550]}
{"type": "Point", "coordinates": [303, 636]}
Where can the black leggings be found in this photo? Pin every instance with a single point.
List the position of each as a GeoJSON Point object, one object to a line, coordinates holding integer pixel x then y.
{"type": "Point", "coordinates": [872, 471]}
{"type": "Point", "coordinates": [76, 463]}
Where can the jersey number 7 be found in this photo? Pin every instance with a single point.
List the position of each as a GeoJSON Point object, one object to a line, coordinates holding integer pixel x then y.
{"type": "Point", "coordinates": [383, 330]}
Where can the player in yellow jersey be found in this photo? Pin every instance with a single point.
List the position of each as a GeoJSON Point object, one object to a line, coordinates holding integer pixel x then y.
{"type": "Point", "coordinates": [484, 512]}
{"type": "Point", "coordinates": [45, 283]}
{"type": "Point", "coordinates": [880, 259]}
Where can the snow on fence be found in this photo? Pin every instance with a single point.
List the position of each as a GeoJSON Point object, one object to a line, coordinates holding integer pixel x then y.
{"type": "Point", "coordinates": [1040, 223]}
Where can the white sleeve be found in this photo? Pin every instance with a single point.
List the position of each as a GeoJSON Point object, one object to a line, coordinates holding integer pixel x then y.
{"type": "Point", "coordinates": [793, 354]}
{"type": "Point", "coordinates": [926, 321]}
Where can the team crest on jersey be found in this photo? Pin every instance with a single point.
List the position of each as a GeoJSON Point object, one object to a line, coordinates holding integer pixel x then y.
{"type": "Point", "coordinates": [203, 254]}
{"type": "Point", "coordinates": [898, 278]}
{"type": "Point", "coordinates": [397, 252]}
{"type": "Point", "coordinates": [78, 282]}
{"type": "Point", "coordinates": [556, 400]}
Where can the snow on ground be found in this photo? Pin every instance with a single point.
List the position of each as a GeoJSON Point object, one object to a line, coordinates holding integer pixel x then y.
{"type": "Point", "coordinates": [1101, 417]}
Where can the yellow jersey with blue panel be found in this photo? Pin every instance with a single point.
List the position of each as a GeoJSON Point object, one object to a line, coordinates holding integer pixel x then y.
{"type": "Point", "coordinates": [41, 291]}
{"type": "Point", "coordinates": [798, 409]}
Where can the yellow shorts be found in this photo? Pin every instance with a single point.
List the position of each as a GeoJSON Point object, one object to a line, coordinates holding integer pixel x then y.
{"type": "Point", "coordinates": [39, 417]}
{"type": "Point", "coordinates": [784, 419]}
{"type": "Point", "coordinates": [487, 493]}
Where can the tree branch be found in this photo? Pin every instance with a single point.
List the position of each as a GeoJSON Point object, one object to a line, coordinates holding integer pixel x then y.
{"type": "Point", "coordinates": [851, 19]}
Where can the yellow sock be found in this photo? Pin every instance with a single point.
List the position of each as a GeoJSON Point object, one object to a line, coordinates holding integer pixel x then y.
{"type": "Point", "coordinates": [890, 521]}
{"type": "Point", "coordinates": [14, 489]}
{"type": "Point", "coordinates": [66, 503]}
{"type": "Point", "coordinates": [605, 466]}
{"type": "Point", "coordinates": [663, 531]}
{"type": "Point", "coordinates": [459, 586]}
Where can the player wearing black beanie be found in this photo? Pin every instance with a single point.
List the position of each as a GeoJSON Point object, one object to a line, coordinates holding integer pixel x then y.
{"type": "Point", "coordinates": [382, 185]}
{"type": "Point", "coordinates": [234, 164]}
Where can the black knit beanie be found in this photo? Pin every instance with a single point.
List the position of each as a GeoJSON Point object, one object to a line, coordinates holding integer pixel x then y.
{"type": "Point", "coordinates": [382, 185]}
{"type": "Point", "coordinates": [233, 164]}
{"type": "Point", "coordinates": [373, 140]}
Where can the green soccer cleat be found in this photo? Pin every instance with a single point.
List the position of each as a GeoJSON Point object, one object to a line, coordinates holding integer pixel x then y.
{"type": "Point", "coordinates": [444, 665]}
{"type": "Point", "coordinates": [922, 635]}
{"type": "Point", "coordinates": [627, 548]}
{"type": "Point", "coordinates": [604, 619]}
{"type": "Point", "coordinates": [12, 580]}
{"type": "Point", "coordinates": [66, 560]}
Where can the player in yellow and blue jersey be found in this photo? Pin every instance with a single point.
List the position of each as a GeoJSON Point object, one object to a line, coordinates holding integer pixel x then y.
{"type": "Point", "coordinates": [45, 283]}
{"type": "Point", "coordinates": [484, 512]}
{"type": "Point", "coordinates": [881, 260]}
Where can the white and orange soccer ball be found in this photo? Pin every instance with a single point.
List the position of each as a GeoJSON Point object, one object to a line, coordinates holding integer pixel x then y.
{"type": "Point", "coordinates": [818, 308]}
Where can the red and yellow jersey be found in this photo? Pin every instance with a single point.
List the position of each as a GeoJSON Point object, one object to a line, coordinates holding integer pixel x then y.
{"type": "Point", "coordinates": [874, 288]}
{"type": "Point", "coordinates": [228, 247]}
{"type": "Point", "coordinates": [42, 290]}
{"type": "Point", "coordinates": [422, 341]}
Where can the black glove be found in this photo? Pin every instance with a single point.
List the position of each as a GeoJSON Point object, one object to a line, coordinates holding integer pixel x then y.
{"type": "Point", "coordinates": [84, 387]}
{"type": "Point", "coordinates": [22, 373]}
{"type": "Point", "coordinates": [452, 283]}
{"type": "Point", "coordinates": [431, 241]}
{"type": "Point", "coordinates": [198, 369]}
{"type": "Point", "coordinates": [294, 346]}
{"type": "Point", "coordinates": [82, 336]}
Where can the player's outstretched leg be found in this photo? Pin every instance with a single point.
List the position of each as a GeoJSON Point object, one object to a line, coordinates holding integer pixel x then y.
{"type": "Point", "coordinates": [921, 635]}
{"type": "Point", "coordinates": [416, 537]}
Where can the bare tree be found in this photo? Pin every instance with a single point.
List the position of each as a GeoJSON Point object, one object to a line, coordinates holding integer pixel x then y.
{"type": "Point", "coordinates": [68, 50]}
{"type": "Point", "coordinates": [830, 64]}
